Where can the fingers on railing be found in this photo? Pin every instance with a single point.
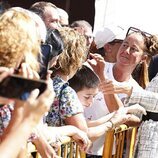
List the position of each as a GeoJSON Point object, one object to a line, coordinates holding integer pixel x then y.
{"type": "Point", "coordinates": [71, 150]}
{"type": "Point", "coordinates": [122, 139]}
{"type": "Point", "coordinates": [68, 149]}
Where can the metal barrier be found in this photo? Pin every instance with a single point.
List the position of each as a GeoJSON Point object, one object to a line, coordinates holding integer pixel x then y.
{"type": "Point", "coordinates": [124, 138]}
{"type": "Point", "coordinates": [68, 149]}
{"type": "Point", "coordinates": [124, 145]}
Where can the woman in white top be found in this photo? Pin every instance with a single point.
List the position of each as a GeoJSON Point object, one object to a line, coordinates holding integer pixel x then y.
{"type": "Point", "coordinates": [135, 49]}
{"type": "Point", "coordinates": [146, 145]}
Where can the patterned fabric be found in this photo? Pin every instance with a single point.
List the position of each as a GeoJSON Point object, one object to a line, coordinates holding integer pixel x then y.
{"type": "Point", "coordinates": [148, 99]}
{"type": "Point", "coordinates": [5, 116]}
{"type": "Point", "coordinates": [147, 138]}
{"type": "Point", "coordinates": [69, 104]}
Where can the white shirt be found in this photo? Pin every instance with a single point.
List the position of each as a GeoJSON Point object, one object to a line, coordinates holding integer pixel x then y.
{"type": "Point", "coordinates": [99, 107]}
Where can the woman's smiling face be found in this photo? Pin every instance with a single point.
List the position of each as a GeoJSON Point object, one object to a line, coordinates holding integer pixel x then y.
{"type": "Point", "coordinates": [132, 50]}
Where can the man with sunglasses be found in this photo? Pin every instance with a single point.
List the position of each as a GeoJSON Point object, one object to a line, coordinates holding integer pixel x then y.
{"type": "Point", "coordinates": [108, 40]}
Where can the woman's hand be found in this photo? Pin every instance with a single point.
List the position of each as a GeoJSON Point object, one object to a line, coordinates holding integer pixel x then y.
{"type": "Point", "coordinates": [42, 145]}
{"type": "Point", "coordinates": [26, 71]}
{"type": "Point", "coordinates": [35, 106]}
{"type": "Point", "coordinates": [125, 114]}
{"type": "Point", "coordinates": [4, 72]}
{"type": "Point", "coordinates": [133, 109]}
{"type": "Point", "coordinates": [82, 140]}
{"type": "Point", "coordinates": [98, 64]}
{"type": "Point", "coordinates": [109, 87]}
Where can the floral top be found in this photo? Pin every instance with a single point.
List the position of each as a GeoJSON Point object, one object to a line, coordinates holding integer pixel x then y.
{"type": "Point", "coordinates": [68, 100]}
{"type": "Point", "coordinates": [5, 116]}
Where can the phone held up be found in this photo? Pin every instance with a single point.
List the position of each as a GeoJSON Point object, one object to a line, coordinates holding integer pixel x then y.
{"type": "Point", "coordinates": [46, 50]}
{"type": "Point", "coordinates": [15, 86]}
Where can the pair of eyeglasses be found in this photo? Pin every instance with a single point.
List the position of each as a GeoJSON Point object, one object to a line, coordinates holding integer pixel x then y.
{"type": "Point", "coordinates": [133, 29]}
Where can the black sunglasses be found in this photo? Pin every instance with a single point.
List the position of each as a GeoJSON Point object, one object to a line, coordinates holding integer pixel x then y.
{"type": "Point", "coordinates": [133, 29]}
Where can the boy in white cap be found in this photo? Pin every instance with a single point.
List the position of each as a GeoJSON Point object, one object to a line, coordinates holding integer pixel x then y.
{"type": "Point", "coordinates": [108, 40]}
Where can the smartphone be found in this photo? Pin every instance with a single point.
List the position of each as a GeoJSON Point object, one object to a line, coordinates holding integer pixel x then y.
{"type": "Point", "coordinates": [46, 50]}
{"type": "Point", "coordinates": [15, 86]}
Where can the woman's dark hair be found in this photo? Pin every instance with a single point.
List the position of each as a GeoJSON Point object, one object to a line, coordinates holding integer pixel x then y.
{"type": "Point", "coordinates": [55, 40]}
{"type": "Point", "coordinates": [52, 47]}
{"type": "Point", "coordinates": [140, 73]}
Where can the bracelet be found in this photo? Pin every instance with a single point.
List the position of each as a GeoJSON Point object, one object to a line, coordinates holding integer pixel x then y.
{"type": "Point", "coordinates": [112, 124]}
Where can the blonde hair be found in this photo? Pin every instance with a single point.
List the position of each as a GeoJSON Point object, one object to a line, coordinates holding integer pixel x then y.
{"type": "Point", "coordinates": [74, 53]}
{"type": "Point", "coordinates": [19, 39]}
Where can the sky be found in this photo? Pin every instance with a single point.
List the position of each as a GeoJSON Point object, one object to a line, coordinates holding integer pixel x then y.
{"type": "Point", "coordinates": [142, 14]}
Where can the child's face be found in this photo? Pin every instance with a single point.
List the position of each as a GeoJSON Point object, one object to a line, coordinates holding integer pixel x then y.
{"type": "Point", "coordinates": [86, 96]}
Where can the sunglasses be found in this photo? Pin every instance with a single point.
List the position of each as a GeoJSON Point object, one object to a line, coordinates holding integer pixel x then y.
{"type": "Point", "coordinates": [133, 29]}
{"type": "Point", "coordinates": [146, 35]}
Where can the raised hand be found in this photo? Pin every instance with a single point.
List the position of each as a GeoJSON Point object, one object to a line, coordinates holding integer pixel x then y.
{"type": "Point", "coordinates": [26, 71]}
{"type": "Point", "coordinates": [98, 65]}
{"type": "Point", "coordinates": [4, 72]}
{"type": "Point", "coordinates": [35, 106]}
{"type": "Point", "coordinates": [109, 87]}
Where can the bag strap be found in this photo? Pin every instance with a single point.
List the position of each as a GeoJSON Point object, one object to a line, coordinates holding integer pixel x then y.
{"type": "Point", "coordinates": [60, 96]}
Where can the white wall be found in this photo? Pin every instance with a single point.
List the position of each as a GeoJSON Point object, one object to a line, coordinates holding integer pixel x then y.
{"type": "Point", "coordinates": [138, 13]}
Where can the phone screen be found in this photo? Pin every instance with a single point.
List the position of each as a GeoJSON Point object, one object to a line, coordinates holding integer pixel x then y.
{"type": "Point", "coordinates": [46, 52]}
{"type": "Point", "coordinates": [15, 86]}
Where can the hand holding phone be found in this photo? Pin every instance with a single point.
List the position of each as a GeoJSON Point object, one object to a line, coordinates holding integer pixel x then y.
{"type": "Point", "coordinates": [15, 86]}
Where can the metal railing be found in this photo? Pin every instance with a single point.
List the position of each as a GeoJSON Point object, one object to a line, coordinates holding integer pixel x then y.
{"type": "Point", "coordinates": [122, 139]}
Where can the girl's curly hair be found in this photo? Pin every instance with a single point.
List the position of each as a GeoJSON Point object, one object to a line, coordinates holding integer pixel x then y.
{"type": "Point", "coordinates": [74, 53]}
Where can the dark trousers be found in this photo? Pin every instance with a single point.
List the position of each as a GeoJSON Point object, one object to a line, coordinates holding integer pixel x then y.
{"type": "Point", "coordinates": [93, 156]}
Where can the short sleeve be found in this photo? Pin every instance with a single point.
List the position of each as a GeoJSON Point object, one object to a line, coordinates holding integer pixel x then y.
{"type": "Point", "coordinates": [69, 103]}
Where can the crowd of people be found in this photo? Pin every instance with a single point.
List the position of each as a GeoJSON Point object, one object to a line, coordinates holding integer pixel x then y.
{"type": "Point", "coordinates": [94, 82]}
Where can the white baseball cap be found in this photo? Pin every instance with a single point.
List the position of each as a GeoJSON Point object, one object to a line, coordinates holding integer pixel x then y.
{"type": "Point", "coordinates": [108, 34]}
